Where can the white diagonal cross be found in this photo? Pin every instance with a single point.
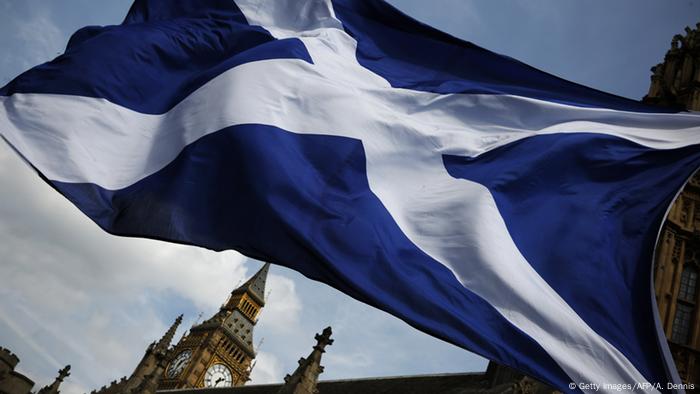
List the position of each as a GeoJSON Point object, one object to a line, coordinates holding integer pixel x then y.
{"type": "Point", "coordinates": [404, 134]}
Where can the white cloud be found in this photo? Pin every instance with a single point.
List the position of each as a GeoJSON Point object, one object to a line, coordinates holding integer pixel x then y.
{"type": "Point", "coordinates": [354, 360]}
{"type": "Point", "coordinates": [282, 306]}
{"type": "Point", "coordinates": [267, 369]}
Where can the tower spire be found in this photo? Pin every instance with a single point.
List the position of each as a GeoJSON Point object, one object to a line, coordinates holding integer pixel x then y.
{"type": "Point", "coordinates": [227, 337]}
{"type": "Point", "coordinates": [254, 287]}
{"type": "Point", "coordinates": [305, 378]}
{"type": "Point", "coordinates": [53, 388]}
{"type": "Point", "coordinates": [164, 343]}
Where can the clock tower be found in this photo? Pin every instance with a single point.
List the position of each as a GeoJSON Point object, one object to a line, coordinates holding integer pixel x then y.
{"type": "Point", "coordinates": [219, 351]}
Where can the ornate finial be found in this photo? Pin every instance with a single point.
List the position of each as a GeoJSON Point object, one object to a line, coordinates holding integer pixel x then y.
{"type": "Point", "coordinates": [53, 387]}
{"type": "Point", "coordinates": [305, 377]}
{"type": "Point", "coordinates": [63, 373]}
{"type": "Point", "coordinates": [324, 339]}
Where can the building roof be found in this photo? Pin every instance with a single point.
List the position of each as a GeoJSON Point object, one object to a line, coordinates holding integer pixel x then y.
{"type": "Point", "coordinates": [457, 383]}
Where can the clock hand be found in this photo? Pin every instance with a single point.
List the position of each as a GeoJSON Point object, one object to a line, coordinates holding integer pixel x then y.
{"type": "Point", "coordinates": [218, 381]}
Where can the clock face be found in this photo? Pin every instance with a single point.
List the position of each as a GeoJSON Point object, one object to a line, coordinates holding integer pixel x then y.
{"type": "Point", "coordinates": [218, 376]}
{"type": "Point", "coordinates": [178, 364]}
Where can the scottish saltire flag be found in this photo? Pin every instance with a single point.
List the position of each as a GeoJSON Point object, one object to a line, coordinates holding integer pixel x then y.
{"type": "Point", "coordinates": [485, 202]}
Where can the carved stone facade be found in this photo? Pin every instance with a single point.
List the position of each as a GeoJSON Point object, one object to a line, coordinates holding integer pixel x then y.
{"type": "Point", "coordinates": [13, 382]}
{"type": "Point", "coordinates": [219, 352]}
{"type": "Point", "coordinates": [216, 353]}
{"type": "Point", "coordinates": [146, 375]}
{"type": "Point", "coordinates": [217, 356]}
{"type": "Point", "coordinates": [676, 83]}
{"type": "Point", "coordinates": [676, 274]}
{"type": "Point", "coordinates": [53, 387]}
{"type": "Point", "coordinates": [496, 380]}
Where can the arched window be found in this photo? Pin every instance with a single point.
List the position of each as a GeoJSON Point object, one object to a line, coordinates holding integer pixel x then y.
{"type": "Point", "coordinates": [685, 306]}
{"type": "Point", "coordinates": [681, 324]}
{"type": "Point", "coordinates": [689, 281]}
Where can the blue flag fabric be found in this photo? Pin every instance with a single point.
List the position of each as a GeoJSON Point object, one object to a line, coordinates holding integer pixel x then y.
{"type": "Point", "coordinates": [480, 200]}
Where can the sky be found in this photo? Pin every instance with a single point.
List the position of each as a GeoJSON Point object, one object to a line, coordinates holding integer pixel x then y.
{"type": "Point", "coordinates": [72, 294]}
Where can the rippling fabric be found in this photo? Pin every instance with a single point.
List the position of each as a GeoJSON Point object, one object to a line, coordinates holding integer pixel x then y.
{"type": "Point", "coordinates": [416, 56]}
{"type": "Point", "coordinates": [157, 57]}
{"type": "Point", "coordinates": [482, 201]}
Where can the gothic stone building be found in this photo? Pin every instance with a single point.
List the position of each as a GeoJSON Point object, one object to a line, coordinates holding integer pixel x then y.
{"type": "Point", "coordinates": [217, 356]}
{"type": "Point", "coordinates": [13, 382]}
{"type": "Point", "coordinates": [215, 353]}
{"type": "Point", "coordinates": [676, 83]}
